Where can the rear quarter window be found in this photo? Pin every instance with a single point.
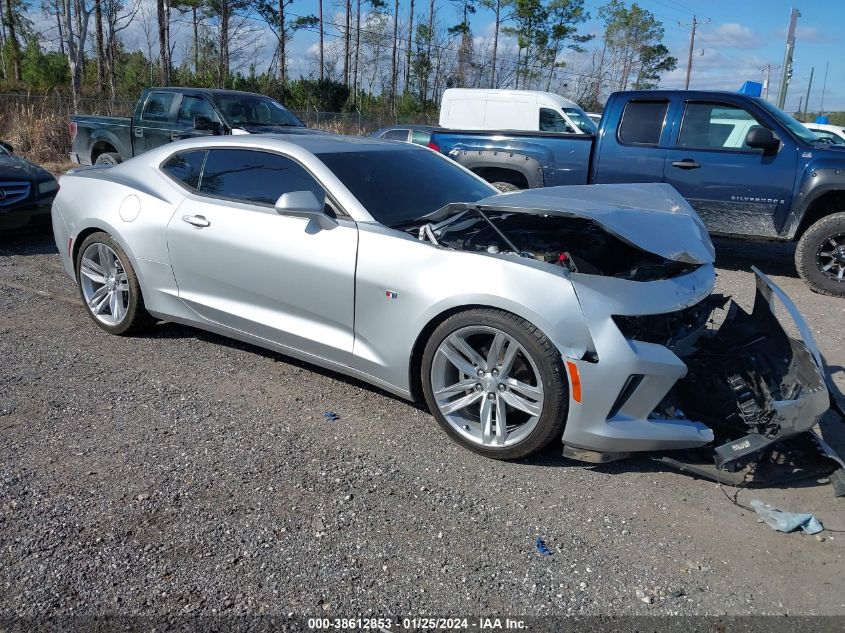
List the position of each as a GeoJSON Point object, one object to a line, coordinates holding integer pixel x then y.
{"type": "Point", "coordinates": [642, 122]}
{"type": "Point", "coordinates": [185, 168]}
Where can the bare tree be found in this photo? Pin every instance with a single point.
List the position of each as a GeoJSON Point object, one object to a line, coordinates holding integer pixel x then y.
{"type": "Point", "coordinates": [14, 45]}
{"type": "Point", "coordinates": [410, 47]}
{"type": "Point", "coordinates": [394, 58]}
{"type": "Point", "coordinates": [163, 13]}
{"type": "Point", "coordinates": [75, 42]}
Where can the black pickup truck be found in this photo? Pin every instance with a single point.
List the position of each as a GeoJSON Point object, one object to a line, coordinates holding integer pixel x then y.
{"type": "Point", "coordinates": [163, 115]}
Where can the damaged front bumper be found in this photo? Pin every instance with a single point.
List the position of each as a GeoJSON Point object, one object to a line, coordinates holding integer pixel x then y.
{"type": "Point", "coordinates": [739, 388]}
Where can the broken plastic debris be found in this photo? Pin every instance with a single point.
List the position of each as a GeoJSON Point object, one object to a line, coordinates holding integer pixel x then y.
{"type": "Point", "coordinates": [331, 416]}
{"type": "Point", "coordinates": [783, 521]}
{"type": "Point", "coordinates": [540, 544]}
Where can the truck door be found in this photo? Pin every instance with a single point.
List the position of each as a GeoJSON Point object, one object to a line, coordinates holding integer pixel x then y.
{"type": "Point", "coordinates": [190, 107]}
{"type": "Point", "coordinates": [632, 148]}
{"type": "Point", "coordinates": [735, 189]}
{"type": "Point", "coordinates": [155, 126]}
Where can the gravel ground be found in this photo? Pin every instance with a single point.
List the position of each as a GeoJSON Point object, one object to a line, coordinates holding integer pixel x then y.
{"type": "Point", "coordinates": [180, 472]}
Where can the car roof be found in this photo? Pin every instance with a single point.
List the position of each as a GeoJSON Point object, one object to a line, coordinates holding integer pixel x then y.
{"type": "Point", "coordinates": [208, 91]}
{"type": "Point", "coordinates": [313, 143]}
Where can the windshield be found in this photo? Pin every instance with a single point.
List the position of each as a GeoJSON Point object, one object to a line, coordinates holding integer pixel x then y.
{"type": "Point", "coordinates": [829, 137]}
{"type": "Point", "coordinates": [398, 186]}
{"type": "Point", "coordinates": [254, 110]}
{"type": "Point", "coordinates": [580, 118]}
{"type": "Point", "coordinates": [795, 127]}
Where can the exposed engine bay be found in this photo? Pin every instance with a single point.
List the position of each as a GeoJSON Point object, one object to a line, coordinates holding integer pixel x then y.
{"type": "Point", "coordinates": [747, 380]}
{"type": "Point", "coordinates": [578, 244]}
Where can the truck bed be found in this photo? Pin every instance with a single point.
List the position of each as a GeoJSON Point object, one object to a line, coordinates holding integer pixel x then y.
{"type": "Point", "coordinates": [542, 158]}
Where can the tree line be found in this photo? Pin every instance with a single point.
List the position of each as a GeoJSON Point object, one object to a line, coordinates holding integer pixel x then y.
{"type": "Point", "coordinates": [370, 55]}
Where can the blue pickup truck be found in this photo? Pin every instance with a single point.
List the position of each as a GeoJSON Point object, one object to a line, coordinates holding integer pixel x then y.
{"type": "Point", "coordinates": [749, 169]}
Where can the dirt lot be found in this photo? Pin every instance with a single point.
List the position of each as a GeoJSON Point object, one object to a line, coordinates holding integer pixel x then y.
{"type": "Point", "coordinates": [180, 472]}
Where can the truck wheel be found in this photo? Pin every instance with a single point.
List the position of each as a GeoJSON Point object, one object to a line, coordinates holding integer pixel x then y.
{"type": "Point", "coordinates": [504, 187]}
{"type": "Point", "coordinates": [820, 256]}
{"type": "Point", "coordinates": [108, 158]}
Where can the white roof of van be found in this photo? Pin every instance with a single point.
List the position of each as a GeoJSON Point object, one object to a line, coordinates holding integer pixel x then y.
{"type": "Point", "coordinates": [509, 94]}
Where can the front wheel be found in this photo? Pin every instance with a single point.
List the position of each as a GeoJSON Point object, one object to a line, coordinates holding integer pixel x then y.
{"type": "Point", "coordinates": [495, 383]}
{"type": "Point", "coordinates": [109, 286]}
{"type": "Point", "coordinates": [820, 255]}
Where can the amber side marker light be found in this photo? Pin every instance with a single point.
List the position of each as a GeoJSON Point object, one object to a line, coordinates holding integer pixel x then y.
{"type": "Point", "coordinates": [575, 379]}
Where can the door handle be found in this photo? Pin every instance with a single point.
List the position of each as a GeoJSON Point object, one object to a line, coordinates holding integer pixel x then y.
{"type": "Point", "coordinates": [687, 163]}
{"type": "Point", "coordinates": [175, 136]}
{"type": "Point", "coordinates": [196, 220]}
{"type": "Point", "coordinates": [139, 132]}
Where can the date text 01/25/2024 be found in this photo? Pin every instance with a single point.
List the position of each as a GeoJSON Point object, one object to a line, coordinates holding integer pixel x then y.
{"type": "Point", "coordinates": [416, 623]}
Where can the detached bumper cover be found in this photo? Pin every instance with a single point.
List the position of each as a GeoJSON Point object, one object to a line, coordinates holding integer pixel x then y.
{"type": "Point", "coordinates": [754, 384]}
{"type": "Point", "coordinates": [739, 388]}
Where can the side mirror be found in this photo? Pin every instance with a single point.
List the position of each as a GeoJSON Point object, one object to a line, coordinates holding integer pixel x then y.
{"type": "Point", "coordinates": [204, 124]}
{"type": "Point", "coordinates": [304, 204]}
{"type": "Point", "coordinates": [7, 147]}
{"type": "Point", "coordinates": [760, 137]}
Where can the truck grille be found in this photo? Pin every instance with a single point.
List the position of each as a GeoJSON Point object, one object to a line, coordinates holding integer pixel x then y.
{"type": "Point", "coordinates": [12, 192]}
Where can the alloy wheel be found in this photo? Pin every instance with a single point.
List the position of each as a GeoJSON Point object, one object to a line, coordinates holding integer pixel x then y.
{"type": "Point", "coordinates": [830, 257]}
{"type": "Point", "coordinates": [105, 284]}
{"type": "Point", "coordinates": [487, 386]}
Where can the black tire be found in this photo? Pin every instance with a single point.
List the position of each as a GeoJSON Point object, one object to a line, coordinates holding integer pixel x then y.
{"type": "Point", "coordinates": [136, 317]}
{"type": "Point", "coordinates": [545, 356]}
{"type": "Point", "coordinates": [108, 158]}
{"type": "Point", "coordinates": [809, 262]}
{"type": "Point", "coordinates": [504, 187]}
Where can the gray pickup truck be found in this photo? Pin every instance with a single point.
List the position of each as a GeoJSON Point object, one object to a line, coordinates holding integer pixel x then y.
{"type": "Point", "coordinates": [163, 115]}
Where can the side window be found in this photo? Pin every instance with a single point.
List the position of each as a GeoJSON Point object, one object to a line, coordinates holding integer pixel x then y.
{"type": "Point", "coordinates": [185, 167]}
{"type": "Point", "coordinates": [254, 176]}
{"type": "Point", "coordinates": [715, 126]}
{"type": "Point", "coordinates": [193, 107]}
{"type": "Point", "coordinates": [552, 121]}
{"type": "Point", "coordinates": [420, 138]}
{"type": "Point", "coordinates": [642, 122]}
{"type": "Point", "coordinates": [396, 135]}
{"type": "Point", "coordinates": [157, 106]}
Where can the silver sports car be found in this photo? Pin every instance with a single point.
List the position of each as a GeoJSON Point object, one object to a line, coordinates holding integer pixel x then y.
{"type": "Point", "coordinates": [578, 314]}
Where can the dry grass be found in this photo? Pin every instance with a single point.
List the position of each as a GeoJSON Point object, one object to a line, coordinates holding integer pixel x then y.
{"type": "Point", "coordinates": [36, 132]}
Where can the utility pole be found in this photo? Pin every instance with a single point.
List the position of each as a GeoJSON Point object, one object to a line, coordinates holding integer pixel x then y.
{"type": "Point", "coordinates": [767, 75]}
{"type": "Point", "coordinates": [691, 47]}
{"type": "Point", "coordinates": [824, 87]}
{"type": "Point", "coordinates": [807, 99]}
{"type": "Point", "coordinates": [786, 75]}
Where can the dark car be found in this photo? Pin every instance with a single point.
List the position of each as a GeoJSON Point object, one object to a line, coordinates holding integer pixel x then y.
{"type": "Point", "coordinates": [417, 134]}
{"type": "Point", "coordinates": [26, 192]}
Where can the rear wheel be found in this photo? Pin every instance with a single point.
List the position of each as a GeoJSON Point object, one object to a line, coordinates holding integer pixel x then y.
{"type": "Point", "coordinates": [495, 383]}
{"type": "Point", "coordinates": [109, 286]}
{"type": "Point", "coordinates": [108, 158]}
{"type": "Point", "coordinates": [820, 255]}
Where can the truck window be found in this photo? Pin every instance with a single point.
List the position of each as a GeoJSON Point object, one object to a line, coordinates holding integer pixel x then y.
{"type": "Point", "coordinates": [193, 107]}
{"type": "Point", "coordinates": [396, 135]}
{"type": "Point", "coordinates": [642, 122]}
{"type": "Point", "coordinates": [715, 126]}
{"type": "Point", "coordinates": [254, 177]}
{"type": "Point", "coordinates": [552, 121]}
{"type": "Point", "coordinates": [185, 167]}
{"type": "Point", "coordinates": [157, 107]}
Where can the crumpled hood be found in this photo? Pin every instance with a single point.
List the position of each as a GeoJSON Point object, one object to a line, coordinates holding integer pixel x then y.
{"type": "Point", "coordinates": [651, 216]}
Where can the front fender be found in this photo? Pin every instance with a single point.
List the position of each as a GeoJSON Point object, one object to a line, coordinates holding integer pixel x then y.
{"type": "Point", "coordinates": [819, 178]}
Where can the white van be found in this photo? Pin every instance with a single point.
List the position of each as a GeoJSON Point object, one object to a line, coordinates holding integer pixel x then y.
{"type": "Point", "coordinates": [527, 110]}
